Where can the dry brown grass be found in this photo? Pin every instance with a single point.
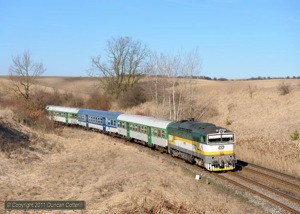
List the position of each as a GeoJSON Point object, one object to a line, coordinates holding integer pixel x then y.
{"type": "Point", "coordinates": [111, 177]}
{"type": "Point", "coordinates": [261, 117]}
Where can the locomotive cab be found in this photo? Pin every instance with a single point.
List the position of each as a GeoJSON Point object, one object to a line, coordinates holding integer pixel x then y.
{"type": "Point", "coordinates": [222, 142]}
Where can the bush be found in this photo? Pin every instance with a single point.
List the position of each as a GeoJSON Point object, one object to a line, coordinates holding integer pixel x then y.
{"type": "Point", "coordinates": [229, 122]}
{"type": "Point", "coordinates": [99, 101]}
{"type": "Point", "coordinates": [133, 97]}
{"type": "Point", "coordinates": [284, 88]}
{"type": "Point", "coordinates": [295, 135]}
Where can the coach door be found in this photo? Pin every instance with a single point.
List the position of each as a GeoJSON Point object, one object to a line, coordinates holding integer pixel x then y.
{"type": "Point", "coordinates": [67, 118]}
{"type": "Point", "coordinates": [104, 124]}
{"type": "Point", "coordinates": [127, 130]}
{"type": "Point", "coordinates": [149, 136]}
{"type": "Point", "coordinates": [87, 121]}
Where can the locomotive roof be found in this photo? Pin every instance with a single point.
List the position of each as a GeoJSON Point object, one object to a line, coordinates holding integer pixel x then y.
{"type": "Point", "coordinates": [145, 120]}
{"type": "Point", "coordinates": [98, 113]}
{"type": "Point", "coordinates": [62, 109]}
{"type": "Point", "coordinates": [193, 126]}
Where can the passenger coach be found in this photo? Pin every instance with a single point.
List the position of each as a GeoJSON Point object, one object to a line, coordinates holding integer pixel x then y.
{"type": "Point", "coordinates": [103, 121]}
{"type": "Point", "coordinates": [61, 114]}
{"type": "Point", "coordinates": [149, 130]}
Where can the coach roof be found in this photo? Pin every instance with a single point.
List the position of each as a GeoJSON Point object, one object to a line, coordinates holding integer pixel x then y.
{"type": "Point", "coordinates": [144, 120]}
{"type": "Point", "coordinates": [98, 113]}
{"type": "Point", "coordinates": [62, 109]}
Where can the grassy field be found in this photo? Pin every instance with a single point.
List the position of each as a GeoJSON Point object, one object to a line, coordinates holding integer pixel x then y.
{"type": "Point", "coordinates": [72, 164]}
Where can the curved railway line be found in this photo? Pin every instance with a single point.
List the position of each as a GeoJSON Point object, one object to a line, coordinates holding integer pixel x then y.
{"type": "Point", "coordinates": [287, 184]}
{"type": "Point", "coordinates": [273, 187]}
{"type": "Point", "coordinates": [270, 194]}
{"type": "Point", "coordinates": [275, 196]}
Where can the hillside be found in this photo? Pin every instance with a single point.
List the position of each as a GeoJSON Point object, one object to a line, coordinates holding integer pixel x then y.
{"type": "Point", "coordinates": [261, 117]}
{"type": "Point", "coordinates": [111, 176]}
{"type": "Point", "coordinates": [74, 164]}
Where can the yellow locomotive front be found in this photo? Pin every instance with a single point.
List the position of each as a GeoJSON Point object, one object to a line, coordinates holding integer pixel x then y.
{"type": "Point", "coordinates": [219, 150]}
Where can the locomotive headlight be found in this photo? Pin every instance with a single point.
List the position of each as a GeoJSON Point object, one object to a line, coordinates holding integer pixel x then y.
{"type": "Point", "coordinates": [217, 130]}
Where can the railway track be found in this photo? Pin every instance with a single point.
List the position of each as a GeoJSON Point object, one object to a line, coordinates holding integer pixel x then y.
{"type": "Point", "coordinates": [274, 196]}
{"type": "Point", "coordinates": [273, 173]}
{"type": "Point", "coordinates": [284, 183]}
{"type": "Point", "coordinates": [273, 187]}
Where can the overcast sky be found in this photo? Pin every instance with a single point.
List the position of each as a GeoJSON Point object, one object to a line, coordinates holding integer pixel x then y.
{"type": "Point", "coordinates": [235, 38]}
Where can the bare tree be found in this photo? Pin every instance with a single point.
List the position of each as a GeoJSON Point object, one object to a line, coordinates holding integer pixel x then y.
{"type": "Point", "coordinates": [23, 73]}
{"type": "Point", "coordinates": [172, 83]}
{"type": "Point", "coordinates": [124, 65]}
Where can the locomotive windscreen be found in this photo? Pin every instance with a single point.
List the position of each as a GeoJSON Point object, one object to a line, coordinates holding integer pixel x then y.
{"type": "Point", "coordinates": [219, 138]}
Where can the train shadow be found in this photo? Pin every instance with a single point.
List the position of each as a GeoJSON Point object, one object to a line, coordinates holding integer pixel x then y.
{"type": "Point", "coordinates": [239, 165]}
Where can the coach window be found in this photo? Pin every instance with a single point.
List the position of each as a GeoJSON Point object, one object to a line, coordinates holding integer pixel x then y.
{"type": "Point", "coordinates": [131, 127]}
{"type": "Point", "coordinates": [163, 134]}
{"type": "Point", "coordinates": [155, 132]}
{"type": "Point", "coordinates": [159, 133]}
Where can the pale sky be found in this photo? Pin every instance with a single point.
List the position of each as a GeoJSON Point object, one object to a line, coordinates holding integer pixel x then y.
{"type": "Point", "coordinates": [235, 38]}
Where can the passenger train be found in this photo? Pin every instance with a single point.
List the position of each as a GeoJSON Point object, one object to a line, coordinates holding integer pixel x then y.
{"type": "Point", "coordinates": [204, 144]}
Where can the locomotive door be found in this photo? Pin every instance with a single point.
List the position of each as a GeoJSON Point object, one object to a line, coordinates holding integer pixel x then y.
{"type": "Point", "coordinates": [149, 136]}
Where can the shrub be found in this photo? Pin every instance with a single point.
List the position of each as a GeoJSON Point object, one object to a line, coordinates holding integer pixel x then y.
{"type": "Point", "coordinates": [133, 97]}
{"type": "Point", "coordinates": [295, 135]}
{"type": "Point", "coordinates": [229, 122]}
{"type": "Point", "coordinates": [284, 88]}
{"type": "Point", "coordinates": [99, 101]}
